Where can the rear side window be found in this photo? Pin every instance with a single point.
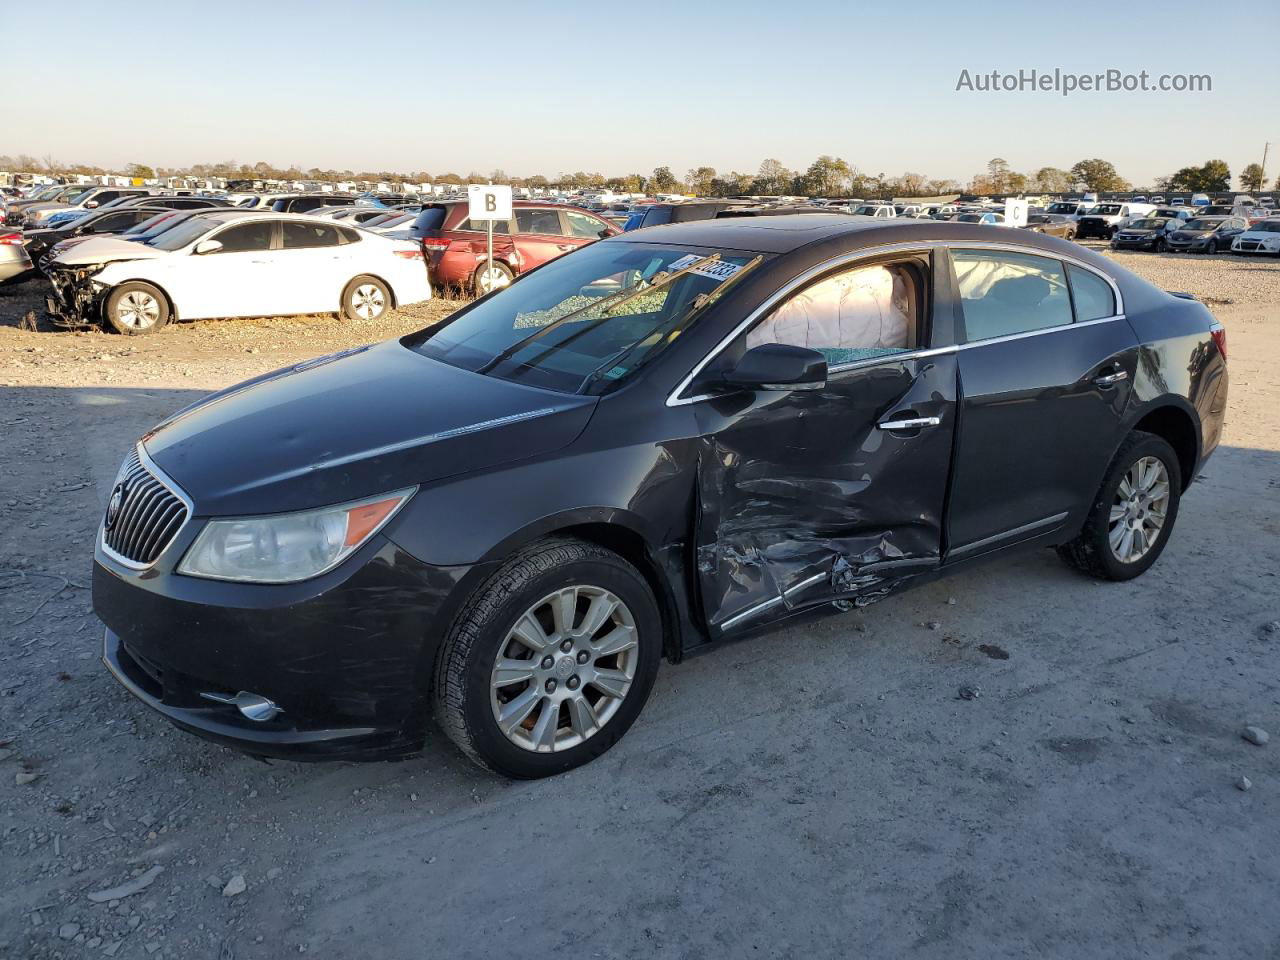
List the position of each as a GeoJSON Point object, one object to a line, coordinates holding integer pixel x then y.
{"type": "Point", "coordinates": [539, 221]}
{"type": "Point", "coordinates": [482, 226]}
{"type": "Point", "coordinates": [299, 235]}
{"type": "Point", "coordinates": [432, 218]}
{"type": "Point", "coordinates": [246, 237]}
{"type": "Point", "coordinates": [349, 235]}
{"type": "Point", "coordinates": [580, 225]}
{"type": "Point", "coordinates": [1006, 293]}
{"type": "Point", "coordinates": [1094, 298]}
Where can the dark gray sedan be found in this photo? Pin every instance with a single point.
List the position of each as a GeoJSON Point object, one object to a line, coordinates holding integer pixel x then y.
{"type": "Point", "coordinates": [661, 443]}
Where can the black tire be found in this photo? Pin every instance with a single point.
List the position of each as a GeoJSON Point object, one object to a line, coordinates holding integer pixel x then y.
{"type": "Point", "coordinates": [505, 276]}
{"type": "Point", "coordinates": [365, 299]}
{"type": "Point", "coordinates": [1070, 235]}
{"type": "Point", "coordinates": [1158, 246]}
{"type": "Point", "coordinates": [136, 308]}
{"type": "Point", "coordinates": [462, 694]}
{"type": "Point", "coordinates": [1211, 248]}
{"type": "Point", "coordinates": [1091, 550]}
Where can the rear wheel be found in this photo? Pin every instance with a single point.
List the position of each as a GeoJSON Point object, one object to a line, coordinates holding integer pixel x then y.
{"type": "Point", "coordinates": [1131, 518]}
{"type": "Point", "coordinates": [487, 280]}
{"type": "Point", "coordinates": [365, 298]}
{"type": "Point", "coordinates": [551, 662]}
{"type": "Point", "coordinates": [136, 308]}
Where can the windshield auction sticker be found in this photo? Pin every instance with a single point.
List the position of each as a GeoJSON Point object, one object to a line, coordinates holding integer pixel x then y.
{"type": "Point", "coordinates": [717, 270]}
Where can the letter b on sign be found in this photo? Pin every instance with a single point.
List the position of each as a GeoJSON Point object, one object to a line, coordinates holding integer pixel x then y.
{"type": "Point", "coordinates": [488, 201]}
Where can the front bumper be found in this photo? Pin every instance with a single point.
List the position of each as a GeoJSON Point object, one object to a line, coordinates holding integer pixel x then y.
{"type": "Point", "coordinates": [1119, 242]}
{"type": "Point", "coordinates": [347, 656]}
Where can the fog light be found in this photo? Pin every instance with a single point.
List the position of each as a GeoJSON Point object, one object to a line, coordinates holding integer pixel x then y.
{"type": "Point", "coordinates": [251, 705]}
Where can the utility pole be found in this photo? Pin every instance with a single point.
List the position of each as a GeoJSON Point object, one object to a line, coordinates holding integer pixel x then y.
{"type": "Point", "coordinates": [1265, 147]}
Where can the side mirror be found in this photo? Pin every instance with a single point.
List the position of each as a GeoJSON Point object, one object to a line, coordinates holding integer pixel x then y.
{"type": "Point", "coordinates": [207, 246]}
{"type": "Point", "coordinates": [778, 366]}
{"type": "Point", "coordinates": [89, 205]}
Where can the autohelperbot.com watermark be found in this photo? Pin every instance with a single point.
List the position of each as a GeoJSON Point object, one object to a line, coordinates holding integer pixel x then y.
{"type": "Point", "coordinates": [1065, 82]}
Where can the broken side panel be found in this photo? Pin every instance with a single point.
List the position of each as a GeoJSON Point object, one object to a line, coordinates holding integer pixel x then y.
{"type": "Point", "coordinates": [805, 498]}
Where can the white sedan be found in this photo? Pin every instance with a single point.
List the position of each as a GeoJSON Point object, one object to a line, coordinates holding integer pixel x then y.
{"type": "Point", "coordinates": [233, 263]}
{"type": "Point", "coordinates": [1262, 237]}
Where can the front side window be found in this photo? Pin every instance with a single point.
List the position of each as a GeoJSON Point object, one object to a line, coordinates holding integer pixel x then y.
{"type": "Point", "coordinates": [246, 237]}
{"type": "Point", "coordinates": [580, 225]}
{"type": "Point", "coordinates": [300, 235]}
{"type": "Point", "coordinates": [1006, 293]}
{"type": "Point", "coordinates": [852, 315]}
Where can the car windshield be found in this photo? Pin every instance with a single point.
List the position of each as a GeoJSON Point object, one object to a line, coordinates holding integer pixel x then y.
{"type": "Point", "coordinates": [586, 321]}
{"type": "Point", "coordinates": [1202, 223]}
{"type": "Point", "coordinates": [153, 225]}
{"type": "Point", "coordinates": [1266, 226]}
{"type": "Point", "coordinates": [77, 197]}
{"type": "Point", "coordinates": [182, 234]}
{"type": "Point", "coordinates": [970, 218]}
{"type": "Point", "coordinates": [1106, 209]}
{"type": "Point", "coordinates": [1154, 224]}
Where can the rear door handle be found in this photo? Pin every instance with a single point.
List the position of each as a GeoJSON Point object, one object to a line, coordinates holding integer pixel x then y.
{"type": "Point", "coordinates": [1111, 379]}
{"type": "Point", "coordinates": [564, 246]}
{"type": "Point", "coordinates": [915, 423]}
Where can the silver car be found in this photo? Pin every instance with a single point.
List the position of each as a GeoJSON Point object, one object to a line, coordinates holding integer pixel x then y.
{"type": "Point", "coordinates": [14, 260]}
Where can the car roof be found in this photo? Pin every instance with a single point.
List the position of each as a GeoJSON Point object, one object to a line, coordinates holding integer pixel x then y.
{"type": "Point", "coordinates": [785, 234]}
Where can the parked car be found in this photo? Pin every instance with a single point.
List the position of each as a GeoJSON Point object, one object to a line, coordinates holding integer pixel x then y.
{"type": "Point", "coordinates": [1104, 219]}
{"type": "Point", "coordinates": [1205, 234]}
{"type": "Point", "coordinates": [82, 202]}
{"type": "Point", "coordinates": [1262, 237]}
{"type": "Point", "coordinates": [1071, 209]}
{"type": "Point", "coordinates": [95, 223]}
{"type": "Point", "coordinates": [236, 263]}
{"type": "Point", "coordinates": [1052, 224]}
{"type": "Point", "coordinates": [174, 202]}
{"type": "Point", "coordinates": [54, 193]}
{"type": "Point", "coordinates": [989, 218]}
{"type": "Point", "coordinates": [882, 211]}
{"type": "Point", "coordinates": [1149, 233]}
{"type": "Point", "coordinates": [304, 202]}
{"type": "Point", "coordinates": [670, 440]}
{"type": "Point", "coordinates": [456, 249]}
{"type": "Point", "coordinates": [15, 261]}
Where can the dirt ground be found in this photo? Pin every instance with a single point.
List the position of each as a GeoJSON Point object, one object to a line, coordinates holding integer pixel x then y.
{"type": "Point", "coordinates": [821, 791]}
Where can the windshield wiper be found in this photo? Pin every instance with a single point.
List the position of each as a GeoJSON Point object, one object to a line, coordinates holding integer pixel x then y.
{"type": "Point", "coordinates": [659, 280]}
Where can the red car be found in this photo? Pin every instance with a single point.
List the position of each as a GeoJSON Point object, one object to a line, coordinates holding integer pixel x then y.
{"type": "Point", "coordinates": [536, 233]}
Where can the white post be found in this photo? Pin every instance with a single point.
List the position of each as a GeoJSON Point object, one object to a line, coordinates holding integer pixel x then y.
{"type": "Point", "coordinates": [489, 272]}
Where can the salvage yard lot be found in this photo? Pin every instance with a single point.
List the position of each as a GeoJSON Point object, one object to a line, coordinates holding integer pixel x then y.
{"type": "Point", "coordinates": [821, 790]}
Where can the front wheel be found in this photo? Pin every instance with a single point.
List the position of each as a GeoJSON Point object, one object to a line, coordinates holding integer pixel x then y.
{"type": "Point", "coordinates": [1131, 519]}
{"type": "Point", "coordinates": [136, 308]}
{"type": "Point", "coordinates": [1212, 248]}
{"type": "Point", "coordinates": [1158, 246]}
{"type": "Point", "coordinates": [551, 662]}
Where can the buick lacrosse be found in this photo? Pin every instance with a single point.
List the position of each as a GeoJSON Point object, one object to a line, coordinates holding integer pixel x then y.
{"type": "Point", "coordinates": [667, 440]}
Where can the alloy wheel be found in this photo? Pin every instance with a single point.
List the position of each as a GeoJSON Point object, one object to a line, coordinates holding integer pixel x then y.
{"type": "Point", "coordinates": [1139, 510]}
{"type": "Point", "coordinates": [489, 280]}
{"type": "Point", "coordinates": [368, 301]}
{"type": "Point", "coordinates": [564, 669]}
{"type": "Point", "coordinates": [138, 310]}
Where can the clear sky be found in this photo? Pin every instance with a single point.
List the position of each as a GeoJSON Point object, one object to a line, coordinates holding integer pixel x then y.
{"type": "Point", "coordinates": [615, 88]}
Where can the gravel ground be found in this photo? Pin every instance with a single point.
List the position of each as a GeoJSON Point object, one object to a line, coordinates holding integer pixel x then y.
{"type": "Point", "coordinates": [824, 790]}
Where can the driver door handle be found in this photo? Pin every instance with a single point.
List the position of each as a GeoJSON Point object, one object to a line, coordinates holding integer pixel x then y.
{"type": "Point", "coordinates": [915, 423]}
{"type": "Point", "coordinates": [1111, 379]}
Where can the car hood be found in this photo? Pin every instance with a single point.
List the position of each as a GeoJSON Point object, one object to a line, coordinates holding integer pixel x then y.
{"type": "Point", "coordinates": [106, 250]}
{"type": "Point", "coordinates": [1190, 234]}
{"type": "Point", "coordinates": [352, 425]}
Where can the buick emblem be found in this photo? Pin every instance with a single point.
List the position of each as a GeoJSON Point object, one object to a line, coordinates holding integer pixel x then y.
{"type": "Point", "coordinates": [113, 506]}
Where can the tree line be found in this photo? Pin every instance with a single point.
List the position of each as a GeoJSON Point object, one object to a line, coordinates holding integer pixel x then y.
{"type": "Point", "coordinates": [827, 176]}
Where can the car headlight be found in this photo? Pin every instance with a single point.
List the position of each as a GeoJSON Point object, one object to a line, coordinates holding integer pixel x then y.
{"type": "Point", "coordinates": [288, 547]}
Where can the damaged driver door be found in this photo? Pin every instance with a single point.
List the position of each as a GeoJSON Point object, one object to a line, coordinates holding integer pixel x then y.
{"type": "Point", "coordinates": [812, 496]}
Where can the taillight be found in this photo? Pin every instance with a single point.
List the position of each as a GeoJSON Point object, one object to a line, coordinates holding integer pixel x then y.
{"type": "Point", "coordinates": [408, 254]}
{"type": "Point", "coordinates": [435, 244]}
{"type": "Point", "coordinates": [11, 239]}
{"type": "Point", "coordinates": [1219, 334]}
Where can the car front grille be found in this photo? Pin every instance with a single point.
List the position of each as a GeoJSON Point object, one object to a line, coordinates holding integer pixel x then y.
{"type": "Point", "coordinates": [1249, 244]}
{"type": "Point", "coordinates": [143, 514]}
